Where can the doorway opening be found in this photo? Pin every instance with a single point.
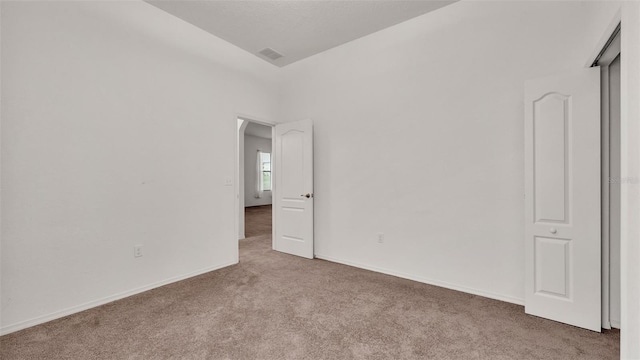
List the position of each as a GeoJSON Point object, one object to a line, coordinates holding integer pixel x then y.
{"type": "Point", "coordinates": [255, 185]}
{"type": "Point", "coordinates": [282, 186]}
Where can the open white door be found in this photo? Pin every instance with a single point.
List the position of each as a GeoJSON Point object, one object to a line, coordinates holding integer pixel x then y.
{"type": "Point", "coordinates": [562, 199]}
{"type": "Point", "coordinates": [293, 202]}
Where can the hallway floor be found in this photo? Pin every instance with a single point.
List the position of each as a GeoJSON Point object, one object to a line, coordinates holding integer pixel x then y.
{"type": "Point", "coordinates": [257, 220]}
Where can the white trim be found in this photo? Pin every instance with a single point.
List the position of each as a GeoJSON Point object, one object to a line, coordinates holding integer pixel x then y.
{"type": "Point", "coordinates": [606, 322]}
{"type": "Point", "coordinates": [605, 149]}
{"type": "Point", "coordinates": [238, 184]}
{"type": "Point", "coordinates": [610, 54]}
{"type": "Point", "coordinates": [274, 187]}
{"type": "Point", "coordinates": [95, 303]}
{"type": "Point", "coordinates": [615, 20]}
{"type": "Point", "coordinates": [444, 284]}
{"type": "Point", "coordinates": [255, 119]}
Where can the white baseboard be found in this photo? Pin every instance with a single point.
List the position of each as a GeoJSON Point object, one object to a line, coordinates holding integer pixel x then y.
{"type": "Point", "coordinates": [421, 279]}
{"type": "Point", "coordinates": [91, 304]}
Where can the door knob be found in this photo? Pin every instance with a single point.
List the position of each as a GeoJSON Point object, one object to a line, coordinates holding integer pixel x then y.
{"type": "Point", "coordinates": [307, 195]}
{"type": "Point", "coordinates": [553, 230]}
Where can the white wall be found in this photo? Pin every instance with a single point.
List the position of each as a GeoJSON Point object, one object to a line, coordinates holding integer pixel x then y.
{"type": "Point", "coordinates": [251, 146]}
{"type": "Point", "coordinates": [0, 168]}
{"type": "Point", "coordinates": [630, 192]}
{"type": "Point", "coordinates": [419, 135]}
{"type": "Point", "coordinates": [117, 124]}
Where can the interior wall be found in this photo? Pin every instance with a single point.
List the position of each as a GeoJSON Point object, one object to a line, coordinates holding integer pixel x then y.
{"type": "Point", "coordinates": [251, 146]}
{"type": "Point", "coordinates": [630, 191]}
{"type": "Point", "coordinates": [150, 101]}
{"type": "Point", "coordinates": [1, 167]}
{"type": "Point", "coordinates": [419, 135]}
{"type": "Point", "coordinates": [117, 124]}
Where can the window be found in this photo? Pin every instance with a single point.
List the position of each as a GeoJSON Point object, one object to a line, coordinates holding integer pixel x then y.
{"type": "Point", "coordinates": [265, 161]}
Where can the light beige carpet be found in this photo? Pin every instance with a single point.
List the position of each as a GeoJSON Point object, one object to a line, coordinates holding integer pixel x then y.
{"type": "Point", "coordinates": [277, 306]}
{"type": "Point", "coordinates": [257, 220]}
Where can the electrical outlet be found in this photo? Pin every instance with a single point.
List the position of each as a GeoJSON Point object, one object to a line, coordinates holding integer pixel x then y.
{"type": "Point", "coordinates": [380, 238]}
{"type": "Point", "coordinates": [228, 181]}
{"type": "Point", "coordinates": [137, 251]}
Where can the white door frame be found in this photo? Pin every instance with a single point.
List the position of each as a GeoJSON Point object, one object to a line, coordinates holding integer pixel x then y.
{"type": "Point", "coordinates": [608, 53]}
{"type": "Point", "coordinates": [629, 17]}
{"type": "Point", "coordinates": [239, 171]}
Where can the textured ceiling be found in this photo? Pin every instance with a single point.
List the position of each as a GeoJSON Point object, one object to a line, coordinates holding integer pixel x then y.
{"type": "Point", "coordinates": [296, 29]}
